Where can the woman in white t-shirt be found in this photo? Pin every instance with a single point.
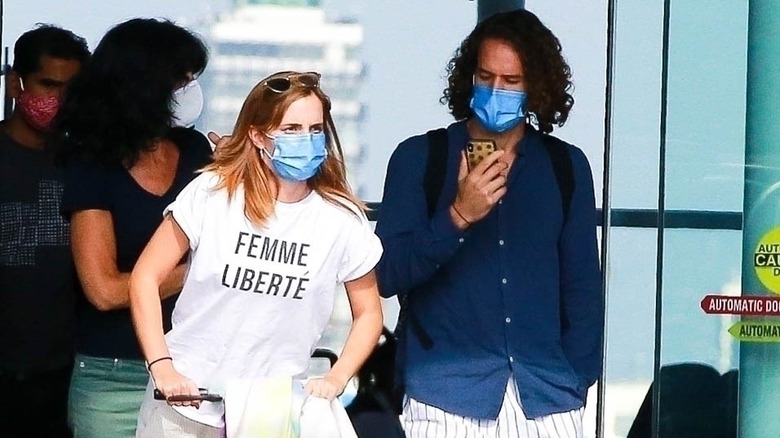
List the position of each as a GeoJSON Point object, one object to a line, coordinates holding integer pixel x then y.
{"type": "Point", "coordinates": [271, 228]}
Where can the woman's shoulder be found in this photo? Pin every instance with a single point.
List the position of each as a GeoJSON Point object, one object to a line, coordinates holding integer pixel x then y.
{"type": "Point", "coordinates": [86, 166]}
{"type": "Point", "coordinates": [192, 143]}
{"type": "Point", "coordinates": [206, 181]}
{"type": "Point", "coordinates": [187, 136]}
{"type": "Point", "coordinates": [342, 209]}
{"type": "Point", "coordinates": [201, 188]}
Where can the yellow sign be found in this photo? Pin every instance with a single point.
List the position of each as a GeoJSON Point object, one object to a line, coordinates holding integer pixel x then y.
{"type": "Point", "coordinates": [766, 260]}
{"type": "Point", "coordinates": [747, 331]}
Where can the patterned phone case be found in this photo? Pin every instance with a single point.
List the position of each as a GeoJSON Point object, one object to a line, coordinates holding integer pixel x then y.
{"type": "Point", "coordinates": [477, 150]}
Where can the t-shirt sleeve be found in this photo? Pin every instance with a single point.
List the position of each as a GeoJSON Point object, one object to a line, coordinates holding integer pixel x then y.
{"type": "Point", "coordinates": [87, 187]}
{"type": "Point", "coordinates": [362, 251]}
{"type": "Point", "coordinates": [188, 210]}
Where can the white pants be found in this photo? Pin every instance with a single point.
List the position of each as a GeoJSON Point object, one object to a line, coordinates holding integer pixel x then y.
{"type": "Point", "coordinates": [158, 420]}
{"type": "Point", "coordinates": [424, 421]}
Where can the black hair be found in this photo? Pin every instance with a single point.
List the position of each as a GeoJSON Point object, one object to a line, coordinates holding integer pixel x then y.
{"type": "Point", "coordinates": [47, 40]}
{"type": "Point", "coordinates": [122, 99]}
{"type": "Point", "coordinates": [547, 75]}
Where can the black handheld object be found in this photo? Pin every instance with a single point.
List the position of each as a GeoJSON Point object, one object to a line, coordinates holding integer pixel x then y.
{"type": "Point", "coordinates": [204, 395]}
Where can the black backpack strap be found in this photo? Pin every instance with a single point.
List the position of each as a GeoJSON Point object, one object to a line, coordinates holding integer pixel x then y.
{"type": "Point", "coordinates": [435, 167]}
{"type": "Point", "coordinates": [562, 167]}
{"type": "Point", "coordinates": [433, 182]}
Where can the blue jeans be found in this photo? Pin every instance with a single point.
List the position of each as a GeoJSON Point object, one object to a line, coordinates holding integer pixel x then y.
{"type": "Point", "coordinates": [105, 396]}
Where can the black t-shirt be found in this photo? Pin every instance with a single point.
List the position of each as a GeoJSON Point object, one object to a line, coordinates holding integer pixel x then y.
{"type": "Point", "coordinates": [136, 214]}
{"type": "Point", "coordinates": [37, 279]}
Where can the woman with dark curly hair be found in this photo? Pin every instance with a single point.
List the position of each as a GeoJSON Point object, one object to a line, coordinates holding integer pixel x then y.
{"type": "Point", "coordinates": [499, 274]}
{"type": "Point", "coordinates": [125, 162]}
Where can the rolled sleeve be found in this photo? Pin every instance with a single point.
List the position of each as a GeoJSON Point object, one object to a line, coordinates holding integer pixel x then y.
{"type": "Point", "coordinates": [362, 253]}
{"type": "Point", "coordinates": [189, 208]}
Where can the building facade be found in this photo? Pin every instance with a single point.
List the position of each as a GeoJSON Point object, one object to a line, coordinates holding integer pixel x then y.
{"type": "Point", "coordinates": [258, 38]}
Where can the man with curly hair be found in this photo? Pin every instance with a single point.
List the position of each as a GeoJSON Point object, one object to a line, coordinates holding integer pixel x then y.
{"type": "Point", "coordinates": [500, 280]}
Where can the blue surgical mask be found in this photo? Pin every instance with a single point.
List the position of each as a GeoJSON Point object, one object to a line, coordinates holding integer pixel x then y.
{"type": "Point", "coordinates": [498, 110]}
{"type": "Point", "coordinates": [297, 157]}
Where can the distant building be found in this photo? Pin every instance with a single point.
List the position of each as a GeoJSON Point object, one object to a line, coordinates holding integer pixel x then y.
{"type": "Point", "coordinates": [260, 37]}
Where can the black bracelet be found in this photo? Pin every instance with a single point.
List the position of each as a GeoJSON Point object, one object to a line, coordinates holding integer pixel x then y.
{"type": "Point", "coordinates": [149, 365]}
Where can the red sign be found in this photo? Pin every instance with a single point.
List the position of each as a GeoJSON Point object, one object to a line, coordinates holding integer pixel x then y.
{"type": "Point", "coordinates": [740, 305]}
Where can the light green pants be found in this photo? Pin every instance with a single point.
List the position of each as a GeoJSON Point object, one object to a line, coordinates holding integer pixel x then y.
{"type": "Point", "coordinates": [105, 396]}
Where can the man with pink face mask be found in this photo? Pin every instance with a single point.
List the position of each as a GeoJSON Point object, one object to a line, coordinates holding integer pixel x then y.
{"type": "Point", "coordinates": [37, 279]}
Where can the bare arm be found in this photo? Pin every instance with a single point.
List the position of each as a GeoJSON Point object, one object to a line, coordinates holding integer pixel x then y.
{"type": "Point", "coordinates": [155, 265]}
{"type": "Point", "coordinates": [94, 252]}
{"type": "Point", "coordinates": [363, 335]}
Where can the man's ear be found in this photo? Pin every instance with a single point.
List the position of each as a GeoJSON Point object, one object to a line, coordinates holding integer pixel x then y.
{"type": "Point", "coordinates": [13, 85]}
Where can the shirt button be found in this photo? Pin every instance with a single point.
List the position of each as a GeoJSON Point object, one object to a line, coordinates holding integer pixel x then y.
{"type": "Point", "coordinates": [511, 358]}
{"type": "Point", "coordinates": [461, 240]}
{"type": "Point", "coordinates": [503, 280]}
{"type": "Point", "coordinates": [508, 320]}
{"type": "Point", "coordinates": [501, 242]}
{"type": "Point", "coordinates": [500, 201]}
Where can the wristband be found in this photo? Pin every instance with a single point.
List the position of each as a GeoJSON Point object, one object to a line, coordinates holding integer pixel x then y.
{"type": "Point", "coordinates": [468, 222]}
{"type": "Point", "coordinates": [149, 365]}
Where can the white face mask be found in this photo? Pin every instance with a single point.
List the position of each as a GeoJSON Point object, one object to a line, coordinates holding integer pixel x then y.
{"type": "Point", "coordinates": [187, 104]}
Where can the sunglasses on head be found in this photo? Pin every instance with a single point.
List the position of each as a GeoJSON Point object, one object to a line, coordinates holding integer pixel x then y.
{"type": "Point", "coordinates": [282, 84]}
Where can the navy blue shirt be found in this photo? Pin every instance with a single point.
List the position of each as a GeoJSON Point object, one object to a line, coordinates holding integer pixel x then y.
{"type": "Point", "coordinates": [136, 214]}
{"type": "Point", "coordinates": [517, 295]}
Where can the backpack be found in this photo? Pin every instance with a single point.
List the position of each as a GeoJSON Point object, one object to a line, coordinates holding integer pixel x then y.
{"type": "Point", "coordinates": [371, 411]}
{"type": "Point", "coordinates": [433, 181]}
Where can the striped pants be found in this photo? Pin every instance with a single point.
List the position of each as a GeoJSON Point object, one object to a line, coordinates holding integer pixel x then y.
{"type": "Point", "coordinates": [424, 421]}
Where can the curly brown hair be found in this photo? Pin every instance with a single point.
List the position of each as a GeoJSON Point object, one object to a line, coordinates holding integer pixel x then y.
{"type": "Point", "coordinates": [547, 75]}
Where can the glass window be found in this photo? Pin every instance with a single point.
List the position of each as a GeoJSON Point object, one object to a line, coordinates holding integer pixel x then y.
{"type": "Point", "coordinates": [705, 152]}
{"type": "Point", "coordinates": [628, 369]}
{"type": "Point", "coordinates": [688, 113]}
{"type": "Point", "coordinates": [582, 31]}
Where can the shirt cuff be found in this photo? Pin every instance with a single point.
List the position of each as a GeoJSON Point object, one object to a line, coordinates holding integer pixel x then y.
{"type": "Point", "coordinates": [443, 228]}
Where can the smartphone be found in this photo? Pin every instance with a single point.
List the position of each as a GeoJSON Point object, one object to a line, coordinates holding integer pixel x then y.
{"type": "Point", "coordinates": [204, 395]}
{"type": "Point", "coordinates": [477, 150]}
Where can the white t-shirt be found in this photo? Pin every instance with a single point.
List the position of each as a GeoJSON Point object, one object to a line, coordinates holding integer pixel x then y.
{"type": "Point", "coordinates": [256, 300]}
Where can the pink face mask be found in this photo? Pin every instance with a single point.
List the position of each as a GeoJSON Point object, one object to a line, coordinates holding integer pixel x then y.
{"type": "Point", "coordinates": [38, 111]}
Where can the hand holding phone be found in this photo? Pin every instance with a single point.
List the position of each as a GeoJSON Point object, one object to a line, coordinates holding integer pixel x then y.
{"type": "Point", "coordinates": [478, 190]}
{"type": "Point", "coordinates": [477, 150]}
{"type": "Point", "coordinates": [204, 395]}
